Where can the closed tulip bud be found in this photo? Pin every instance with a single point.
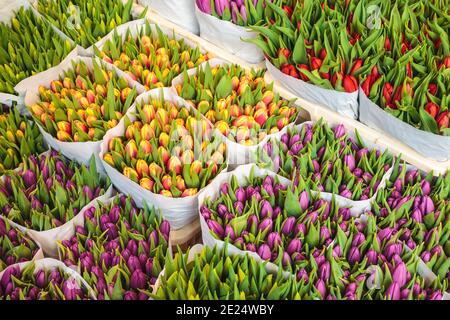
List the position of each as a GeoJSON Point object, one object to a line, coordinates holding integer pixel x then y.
{"type": "Point", "coordinates": [146, 183]}
{"type": "Point", "coordinates": [266, 225]}
{"type": "Point", "coordinates": [295, 245]}
{"type": "Point", "coordinates": [134, 264]}
{"type": "Point", "coordinates": [392, 249]}
{"type": "Point", "coordinates": [324, 233]}
{"type": "Point", "coordinates": [40, 279]}
{"type": "Point", "coordinates": [274, 240]}
{"type": "Point", "coordinates": [174, 165]}
{"type": "Point", "coordinates": [358, 239]}
{"type": "Point", "coordinates": [288, 226]}
{"type": "Point", "coordinates": [393, 291]}
{"type": "Point", "coordinates": [349, 161]}
{"type": "Point", "coordinates": [131, 174]}
{"type": "Point", "coordinates": [264, 252]}
{"type": "Point", "coordinates": [131, 149]}
{"type": "Point", "coordinates": [216, 228]}
{"type": "Point", "coordinates": [354, 255]}
{"type": "Point", "coordinates": [304, 200]}
{"type": "Point", "coordinates": [321, 288]}
{"type": "Point", "coordinates": [325, 271]}
{"type": "Point", "coordinates": [71, 289]}
{"type": "Point", "coordinates": [29, 178]}
{"type": "Point", "coordinates": [138, 280]}
{"type": "Point", "coordinates": [141, 168]}
{"type": "Point", "coordinates": [154, 169]}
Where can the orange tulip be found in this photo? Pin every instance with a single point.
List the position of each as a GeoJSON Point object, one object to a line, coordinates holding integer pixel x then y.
{"type": "Point", "coordinates": [130, 173]}
{"type": "Point", "coordinates": [64, 126]}
{"type": "Point", "coordinates": [261, 116]}
{"type": "Point", "coordinates": [196, 166]}
{"type": "Point", "coordinates": [145, 146]}
{"type": "Point", "coordinates": [164, 140]}
{"type": "Point", "coordinates": [165, 193]}
{"type": "Point", "coordinates": [154, 170]}
{"type": "Point", "coordinates": [174, 164]}
{"type": "Point", "coordinates": [147, 184]}
{"type": "Point", "coordinates": [147, 132]}
{"type": "Point", "coordinates": [142, 168]}
{"type": "Point", "coordinates": [166, 182]}
{"type": "Point", "coordinates": [189, 192]}
{"type": "Point", "coordinates": [164, 154]}
{"type": "Point", "coordinates": [131, 149]}
{"type": "Point", "coordinates": [180, 183]}
{"type": "Point", "coordinates": [223, 127]}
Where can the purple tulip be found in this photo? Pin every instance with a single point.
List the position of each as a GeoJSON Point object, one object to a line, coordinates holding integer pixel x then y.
{"type": "Point", "coordinates": [204, 6]}
{"type": "Point", "coordinates": [134, 264]}
{"type": "Point", "coordinates": [426, 188]}
{"type": "Point", "coordinates": [321, 287]}
{"type": "Point", "coordinates": [337, 252]}
{"type": "Point", "coordinates": [354, 255]}
{"type": "Point", "coordinates": [130, 295]}
{"type": "Point", "coordinates": [325, 271]}
{"type": "Point", "coordinates": [302, 274]}
{"type": "Point", "coordinates": [252, 222]}
{"type": "Point", "coordinates": [304, 200]}
{"type": "Point", "coordinates": [349, 161]}
{"type": "Point", "coordinates": [425, 256]}
{"type": "Point", "coordinates": [339, 131]}
{"type": "Point", "coordinates": [153, 238]}
{"type": "Point", "coordinates": [411, 244]}
{"type": "Point", "coordinates": [40, 279]}
{"type": "Point", "coordinates": [385, 234]}
{"type": "Point", "coordinates": [392, 249]}
{"type": "Point", "coordinates": [224, 187]}
{"type": "Point", "coordinates": [344, 213]}
{"type": "Point", "coordinates": [325, 234]}
{"type": "Point", "coordinates": [417, 216]}
{"type": "Point", "coordinates": [229, 232]}
{"type": "Point", "coordinates": [29, 178]}
{"type": "Point", "coordinates": [436, 295]}
{"type": "Point", "coordinates": [288, 226]}
{"type": "Point", "coordinates": [88, 192]}
{"type": "Point", "coordinates": [346, 194]}
{"type": "Point", "coordinates": [215, 227]}
{"type": "Point", "coordinates": [393, 291]}
{"type": "Point", "coordinates": [222, 210]}
{"type": "Point", "coordinates": [358, 239]}
{"type": "Point", "coordinates": [105, 259]}
{"type": "Point", "coordinates": [240, 195]}
{"type": "Point", "coordinates": [86, 261]}
{"type": "Point", "coordinates": [71, 289]}
{"type": "Point", "coordinates": [399, 274]}
{"type": "Point", "coordinates": [165, 229]}
{"type": "Point", "coordinates": [276, 212]}
{"type": "Point", "coordinates": [250, 247]}
{"type": "Point", "coordinates": [266, 209]}
{"type": "Point", "coordinates": [266, 225]}
{"type": "Point", "coordinates": [274, 240]}
{"type": "Point", "coordinates": [300, 228]}
{"type": "Point", "coordinates": [427, 205]}
{"type": "Point", "coordinates": [80, 230]}
{"type": "Point", "coordinates": [220, 6]}
{"type": "Point", "coordinates": [114, 214]}
{"type": "Point", "coordinates": [372, 256]}
{"type": "Point", "coordinates": [264, 252]}
{"type": "Point", "coordinates": [138, 280]}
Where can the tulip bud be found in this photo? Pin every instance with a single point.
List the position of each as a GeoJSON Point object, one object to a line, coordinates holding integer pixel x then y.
{"type": "Point", "coordinates": [264, 252]}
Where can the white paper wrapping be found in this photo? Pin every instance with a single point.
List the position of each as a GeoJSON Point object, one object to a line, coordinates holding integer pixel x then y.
{"type": "Point", "coordinates": [77, 151]}
{"type": "Point", "coordinates": [237, 154]}
{"type": "Point", "coordinates": [177, 211]}
{"type": "Point", "coordinates": [228, 36]}
{"type": "Point", "coordinates": [47, 239]}
{"type": "Point", "coordinates": [49, 264]}
{"type": "Point", "coordinates": [426, 143]}
{"type": "Point", "coordinates": [9, 99]}
{"type": "Point", "coordinates": [342, 102]}
{"type": "Point", "coordinates": [180, 12]}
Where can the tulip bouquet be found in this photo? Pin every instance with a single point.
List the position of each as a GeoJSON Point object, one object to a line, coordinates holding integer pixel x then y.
{"type": "Point", "coordinates": [119, 250]}
{"type": "Point", "coordinates": [33, 282]}
{"type": "Point", "coordinates": [83, 104]}
{"type": "Point", "coordinates": [328, 160]}
{"type": "Point", "coordinates": [419, 100]}
{"type": "Point", "coordinates": [417, 206]}
{"type": "Point", "coordinates": [318, 241]}
{"type": "Point", "coordinates": [86, 22]}
{"type": "Point", "coordinates": [240, 12]}
{"type": "Point", "coordinates": [15, 247]}
{"type": "Point", "coordinates": [151, 57]}
{"type": "Point", "coordinates": [168, 149]}
{"type": "Point", "coordinates": [48, 191]}
{"type": "Point", "coordinates": [22, 42]}
{"type": "Point", "coordinates": [240, 104]}
{"type": "Point", "coordinates": [18, 138]}
{"type": "Point", "coordinates": [211, 274]}
{"type": "Point", "coordinates": [330, 58]}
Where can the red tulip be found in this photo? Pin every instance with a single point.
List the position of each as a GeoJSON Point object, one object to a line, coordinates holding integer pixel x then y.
{"type": "Point", "coordinates": [432, 109]}
{"type": "Point", "coordinates": [323, 54]}
{"type": "Point", "coordinates": [367, 84]}
{"type": "Point", "coordinates": [443, 119]}
{"type": "Point", "coordinates": [432, 88]}
{"type": "Point", "coordinates": [350, 83]}
{"type": "Point", "coordinates": [356, 66]}
{"type": "Point", "coordinates": [446, 62]}
{"type": "Point", "coordinates": [285, 52]}
{"type": "Point", "coordinates": [387, 44]}
{"type": "Point", "coordinates": [388, 89]}
{"type": "Point", "coordinates": [316, 63]}
{"type": "Point", "coordinates": [303, 76]}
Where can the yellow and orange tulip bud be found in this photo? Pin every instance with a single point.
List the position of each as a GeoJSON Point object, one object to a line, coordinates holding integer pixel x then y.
{"type": "Point", "coordinates": [221, 104]}
{"type": "Point", "coordinates": [165, 193]}
{"type": "Point", "coordinates": [147, 132]}
{"type": "Point", "coordinates": [146, 146]}
{"type": "Point", "coordinates": [243, 121]}
{"type": "Point", "coordinates": [274, 130]}
{"type": "Point", "coordinates": [180, 183]}
{"type": "Point", "coordinates": [273, 109]}
{"type": "Point", "coordinates": [174, 164]}
{"type": "Point", "coordinates": [164, 153]}
{"type": "Point", "coordinates": [129, 132]}
{"type": "Point", "coordinates": [248, 109]}
{"type": "Point", "coordinates": [211, 115]}
{"type": "Point", "coordinates": [217, 157]}
{"type": "Point", "coordinates": [203, 106]}
{"type": "Point", "coordinates": [64, 126]}
{"type": "Point", "coordinates": [282, 122]}
{"type": "Point", "coordinates": [285, 111]}
{"type": "Point", "coordinates": [84, 102]}
{"type": "Point", "coordinates": [142, 168]}
{"type": "Point", "coordinates": [185, 56]}
{"type": "Point", "coordinates": [267, 97]}
{"type": "Point", "coordinates": [56, 85]}
{"type": "Point", "coordinates": [261, 116]}
{"type": "Point", "coordinates": [164, 140]}
{"type": "Point", "coordinates": [91, 133]}
{"type": "Point", "coordinates": [223, 127]}
{"type": "Point", "coordinates": [196, 166]}
{"type": "Point", "coordinates": [114, 144]}
{"type": "Point", "coordinates": [37, 110]}
{"type": "Point", "coordinates": [147, 184]}
{"type": "Point", "coordinates": [260, 105]}
{"type": "Point", "coordinates": [68, 83]}
{"type": "Point", "coordinates": [149, 113]}
{"type": "Point", "coordinates": [80, 83]}
{"type": "Point", "coordinates": [189, 192]}
{"type": "Point", "coordinates": [81, 126]}
{"type": "Point", "coordinates": [235, 111]}
{"type": "Point", "coordinates": [166, 181]}
{"type": "Point", "coordinates": [162, 116]}
{"type": "Point", "coordinates": [90, 120]}
{"type": "Point", "coordinates": [100, 90]}
{"type": "Point", "coordinates": [213, 165]}
{"type": "Point", "coordinates": [235, 83]}
{"type": "Point", "coordinates": [124, 94]}
{"type": "Point", "coordinates": [131, 149]}
{"type": "Point", "coordinates": [173, 112]}
{"type": "Point", "coordinates": [187, 157]}
{"type": "Point", "coordinates": [90, 95]}
{"type": "Point", "coordinates": [154, 170]}
{"type": "Point", "coordinates": [130, 173]}
{"type": "Point", "coordinates": [176, 151]}
{"type": "Point", "coordinates": [109, 159]}
{"type": "Point", "coordinates": [63, 136]}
